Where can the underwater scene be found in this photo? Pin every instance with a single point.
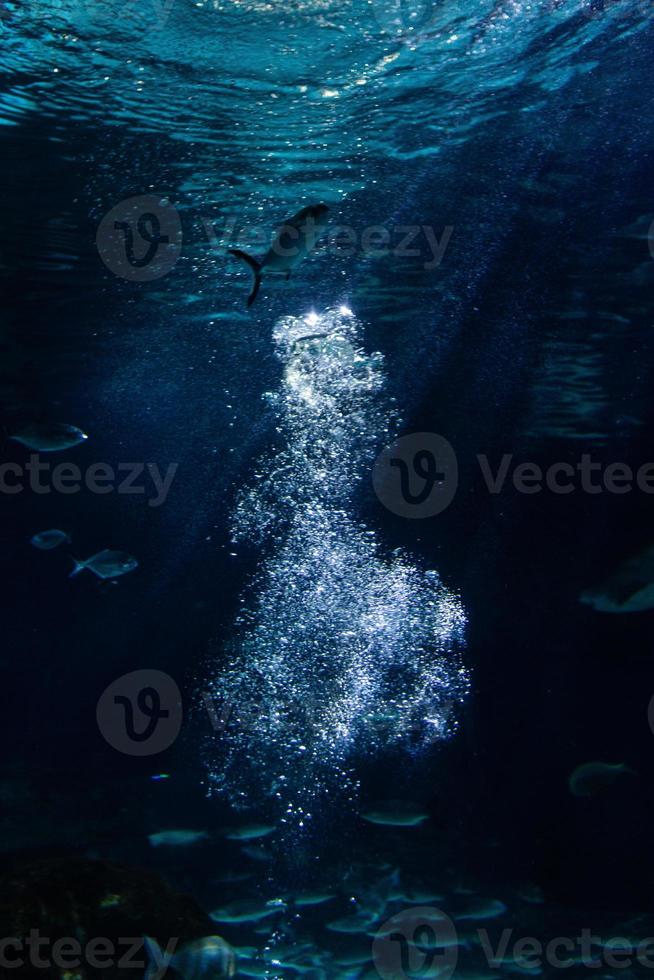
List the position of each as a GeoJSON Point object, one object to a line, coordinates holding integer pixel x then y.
{"type": "Point", "coordinates": [327, 360]}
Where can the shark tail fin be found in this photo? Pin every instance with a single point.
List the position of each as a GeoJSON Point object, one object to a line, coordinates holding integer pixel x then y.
{"type": "Point", "coordinates": [255, 268]}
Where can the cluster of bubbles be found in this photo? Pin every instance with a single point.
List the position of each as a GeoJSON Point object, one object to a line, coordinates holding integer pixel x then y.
{"type": "Point", "coordinates": [341, 648]}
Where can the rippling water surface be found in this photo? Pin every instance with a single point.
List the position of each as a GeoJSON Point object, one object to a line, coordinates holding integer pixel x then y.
{"type": "Point", "coordinates": [476, 116]}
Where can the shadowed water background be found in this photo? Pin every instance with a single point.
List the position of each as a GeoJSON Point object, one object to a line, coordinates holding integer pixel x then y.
{"type": "Point", "coordinates": [526, 128]}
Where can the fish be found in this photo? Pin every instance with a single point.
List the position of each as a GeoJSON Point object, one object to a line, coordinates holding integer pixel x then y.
{"type": "Point", "coordinates": [432, 938]}
{"type": "Point", "coordinates": [210, 958]}
{"type": "Point", "coordinates": [416, 895]}
{"type": "Point", "coordinates": [246, 952]}
{"type": "Point", "coordinates": [106, 564]}
{"type": "Point", "coordinates": [521, 964]}
{"type": "Point", "coordinates": [245, 910]}
{"type": "Point", "coordinates": [254, 970]}
{"type": "Point", "coordinates": [373, 897]}
{"type": "Point", "coordinates": [442, 934]}
{"type": "Point", "coordinates": [350, 924]}
{"type": "Point", "coordinates": [595, 777]}
{"type": "Point", "coordinates": [47, 540]}
{"type": "Point", "coordinates": [250, 831]}
{"type": "Point", "coordinates": [303, 899]}
{"type": "Point", "coordinates": [629, 589]}
{"type": "Point", "coordinates": [177, 838]}
{"type": "Point", "coordinates": [396, 813]}
{"type": "Point", "coordinates": [481, 908]}
{"type": "Point", "coordinates": [464, 888]}
{"type": "Point", "coordinates": [292, 955]}
{"type": "Point", "coordinates": [49, 437]}
{"type": "Point", "coordinates": [357, 956]}
{"type": "Point", "coordinates": [295, 239]}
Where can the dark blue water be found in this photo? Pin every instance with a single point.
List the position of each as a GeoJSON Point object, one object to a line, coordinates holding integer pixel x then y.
{"type": "Point", "coordinates": [485, 275]}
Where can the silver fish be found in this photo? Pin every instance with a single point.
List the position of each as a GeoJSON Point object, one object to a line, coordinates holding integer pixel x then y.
{"type": "Point", "coordinates": [396, 813]}
{"type": "Point", "coordinates": [596, 777]}
{"type": "Point", "coordinates": [47, 540]}
{"type": "Point", "coordinates": [350, 924]}
{"type": "Point", "coordinates": [49, 437]}
{"type": "Point", "coordinates": [106, 564]}
{"type": "Point", "coordinates": [244, 910]}
{"type": "Point", "coordinates": [177, 838]}
{"type": "Point", "coordinates": [308, 899]}
{"type": "Point", "coordinates": [257, 852]}
{"type": "Point", "coordinates": [251, 831]}
{"type": "Point", "coordinates": [489, 908]}
{"type": "Point", "coordinates": [210, 958]}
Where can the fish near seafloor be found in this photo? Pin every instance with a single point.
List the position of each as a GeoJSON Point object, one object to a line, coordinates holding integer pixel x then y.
{"type": "Point", "coordinates": [489, 908]}
{"type": "Point", "coordinates": [295, 239]}
{"type": "Point", "coordinates": [106, 564]}
{"type": "Point", "coordinates": [47, 540]}
{"type": "Point", "coordinates": [244, 910]}
{"type": "Point", "coordinates": [251, 831]}
{"type": "Point", "coordinates": [208, 958]}
{"type": "Point", "coordinates": [595, 777]}
{"type": "Point", "coordinates": [49, 437]}
{"type": "Point", "coordinates": [177, 838]}
{"type": "Point", "coordinates": [309, 899]}
{"type": "Point", "coordinates": [396, 813]}
{"type": "Point", "coordinates": [257, 852]}
{"type": "Point", "coordinates": [357, 924]}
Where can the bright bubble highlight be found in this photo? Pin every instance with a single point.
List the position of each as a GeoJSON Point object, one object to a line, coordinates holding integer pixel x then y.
{"type": "Point", "coordinates": [342, 649]}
